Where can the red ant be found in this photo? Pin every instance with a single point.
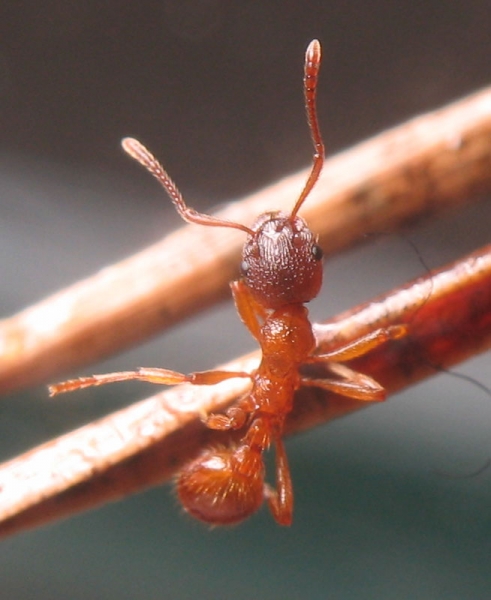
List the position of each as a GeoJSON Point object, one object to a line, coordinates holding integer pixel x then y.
{"type": "Point", "coordinates": [281, 270]}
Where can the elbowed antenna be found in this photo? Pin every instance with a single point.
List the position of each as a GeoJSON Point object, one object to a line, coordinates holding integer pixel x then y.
{"type": "Point", "coordinates": [137, 150]}
{"type": "Point", "coordinates": [313, 58]}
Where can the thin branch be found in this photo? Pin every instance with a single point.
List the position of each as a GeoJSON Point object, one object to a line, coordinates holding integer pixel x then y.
{"type": "Point", "coordinates": [449, 318]}
{"type": "Point", "coordinates": [428, 164]}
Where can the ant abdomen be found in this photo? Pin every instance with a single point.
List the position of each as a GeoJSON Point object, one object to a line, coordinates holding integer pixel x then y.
{"type": "Point", "coordinates": [223, 486]}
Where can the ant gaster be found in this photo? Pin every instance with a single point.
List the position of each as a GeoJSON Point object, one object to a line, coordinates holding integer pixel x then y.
{"type": "Point", "coordinates": [281, 269]}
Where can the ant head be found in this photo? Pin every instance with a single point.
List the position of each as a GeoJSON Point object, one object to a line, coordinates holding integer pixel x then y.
{"type": "Point", "coordinates": [281, 261]}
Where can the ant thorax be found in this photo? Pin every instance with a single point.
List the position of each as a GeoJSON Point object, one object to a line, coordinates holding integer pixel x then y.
{"type": "Point", "coordinates": [281, 261]}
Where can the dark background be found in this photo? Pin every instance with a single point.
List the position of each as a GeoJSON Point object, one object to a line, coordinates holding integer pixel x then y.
{"type": "Point", "coordinates": [214, 89]}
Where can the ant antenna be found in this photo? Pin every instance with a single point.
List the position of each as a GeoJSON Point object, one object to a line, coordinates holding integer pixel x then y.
{"type": "Point", "coordinates": [311, 70]}
{"type": "Point", "coordinates": [138, 151]}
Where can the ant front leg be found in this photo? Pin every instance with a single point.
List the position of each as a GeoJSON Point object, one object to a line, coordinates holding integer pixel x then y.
{"type": "Point", "coordinates": [235, 417]}
{"type": "Point", "coordinates": [250, 311]}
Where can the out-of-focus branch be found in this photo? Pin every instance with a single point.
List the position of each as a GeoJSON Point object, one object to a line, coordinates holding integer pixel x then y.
{"type": "Point", "coordinates": [449, 319]}
{"type": "Point", "coordinates": [422, 167]}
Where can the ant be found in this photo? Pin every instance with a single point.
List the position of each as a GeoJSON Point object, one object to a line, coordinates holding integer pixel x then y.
{"type": "Point", "coordinates": [281, 270]}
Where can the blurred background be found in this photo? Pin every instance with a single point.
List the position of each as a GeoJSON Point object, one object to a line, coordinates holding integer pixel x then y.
{"type": "Point", "coordinates": [214, 89]}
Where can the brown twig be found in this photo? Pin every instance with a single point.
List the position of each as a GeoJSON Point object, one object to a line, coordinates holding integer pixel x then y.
{"type": "Point", "coordinates": [422, 167]}
{"type": "Point", "coordinates": [449, 315]}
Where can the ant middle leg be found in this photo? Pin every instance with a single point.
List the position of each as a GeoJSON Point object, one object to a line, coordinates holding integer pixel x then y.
{"type": "Point", "coordinates": [352, 383]}
{"type": "Point", "coordinates": [362, 345]}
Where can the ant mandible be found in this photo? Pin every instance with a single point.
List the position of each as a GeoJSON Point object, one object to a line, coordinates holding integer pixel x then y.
{"type": "Point", "coordinates": [281, 270]}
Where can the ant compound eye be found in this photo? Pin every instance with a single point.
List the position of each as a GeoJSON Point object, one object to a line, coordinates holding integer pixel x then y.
{"type": "Point", "coordinates": [244, 267]}
{"type": "Point", "coordinates": [317, 252]}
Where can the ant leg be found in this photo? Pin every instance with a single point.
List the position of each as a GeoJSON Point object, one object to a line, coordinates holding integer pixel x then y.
{"type": "Point", "coordinates": [249, 309]}
{"type": "Point", "coordinates": [362, 345]}
{"type": "Point", "coordinates": [353, 384]}
{"type": "Point", "coordinates": [280, 500]}
{"type": "Point", "coordinates": [235, 417]}
{"type": "Point", "coordinates": [149, 375]}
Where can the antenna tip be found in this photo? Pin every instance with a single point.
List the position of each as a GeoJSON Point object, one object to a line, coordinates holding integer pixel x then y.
{"type": "Point", "coordinates": [129, 144]}
{"type": "Point", "coordinates": [137, 150]}
{"type": "Point", "coordinates": [313, 53]}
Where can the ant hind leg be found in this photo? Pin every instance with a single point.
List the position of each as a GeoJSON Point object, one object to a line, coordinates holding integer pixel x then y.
{"type": "Point", "coordinates": [280, 499]}
{"type": "Point", "coordinates": [350, 383]}
{"type": "Point", "coordinates": [362, 345]}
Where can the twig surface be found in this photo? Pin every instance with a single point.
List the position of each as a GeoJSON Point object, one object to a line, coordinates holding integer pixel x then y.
{"type": "Point", "coordinates": [449, 316]}
{"type": "Point", "coordinates": [423, 167]}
